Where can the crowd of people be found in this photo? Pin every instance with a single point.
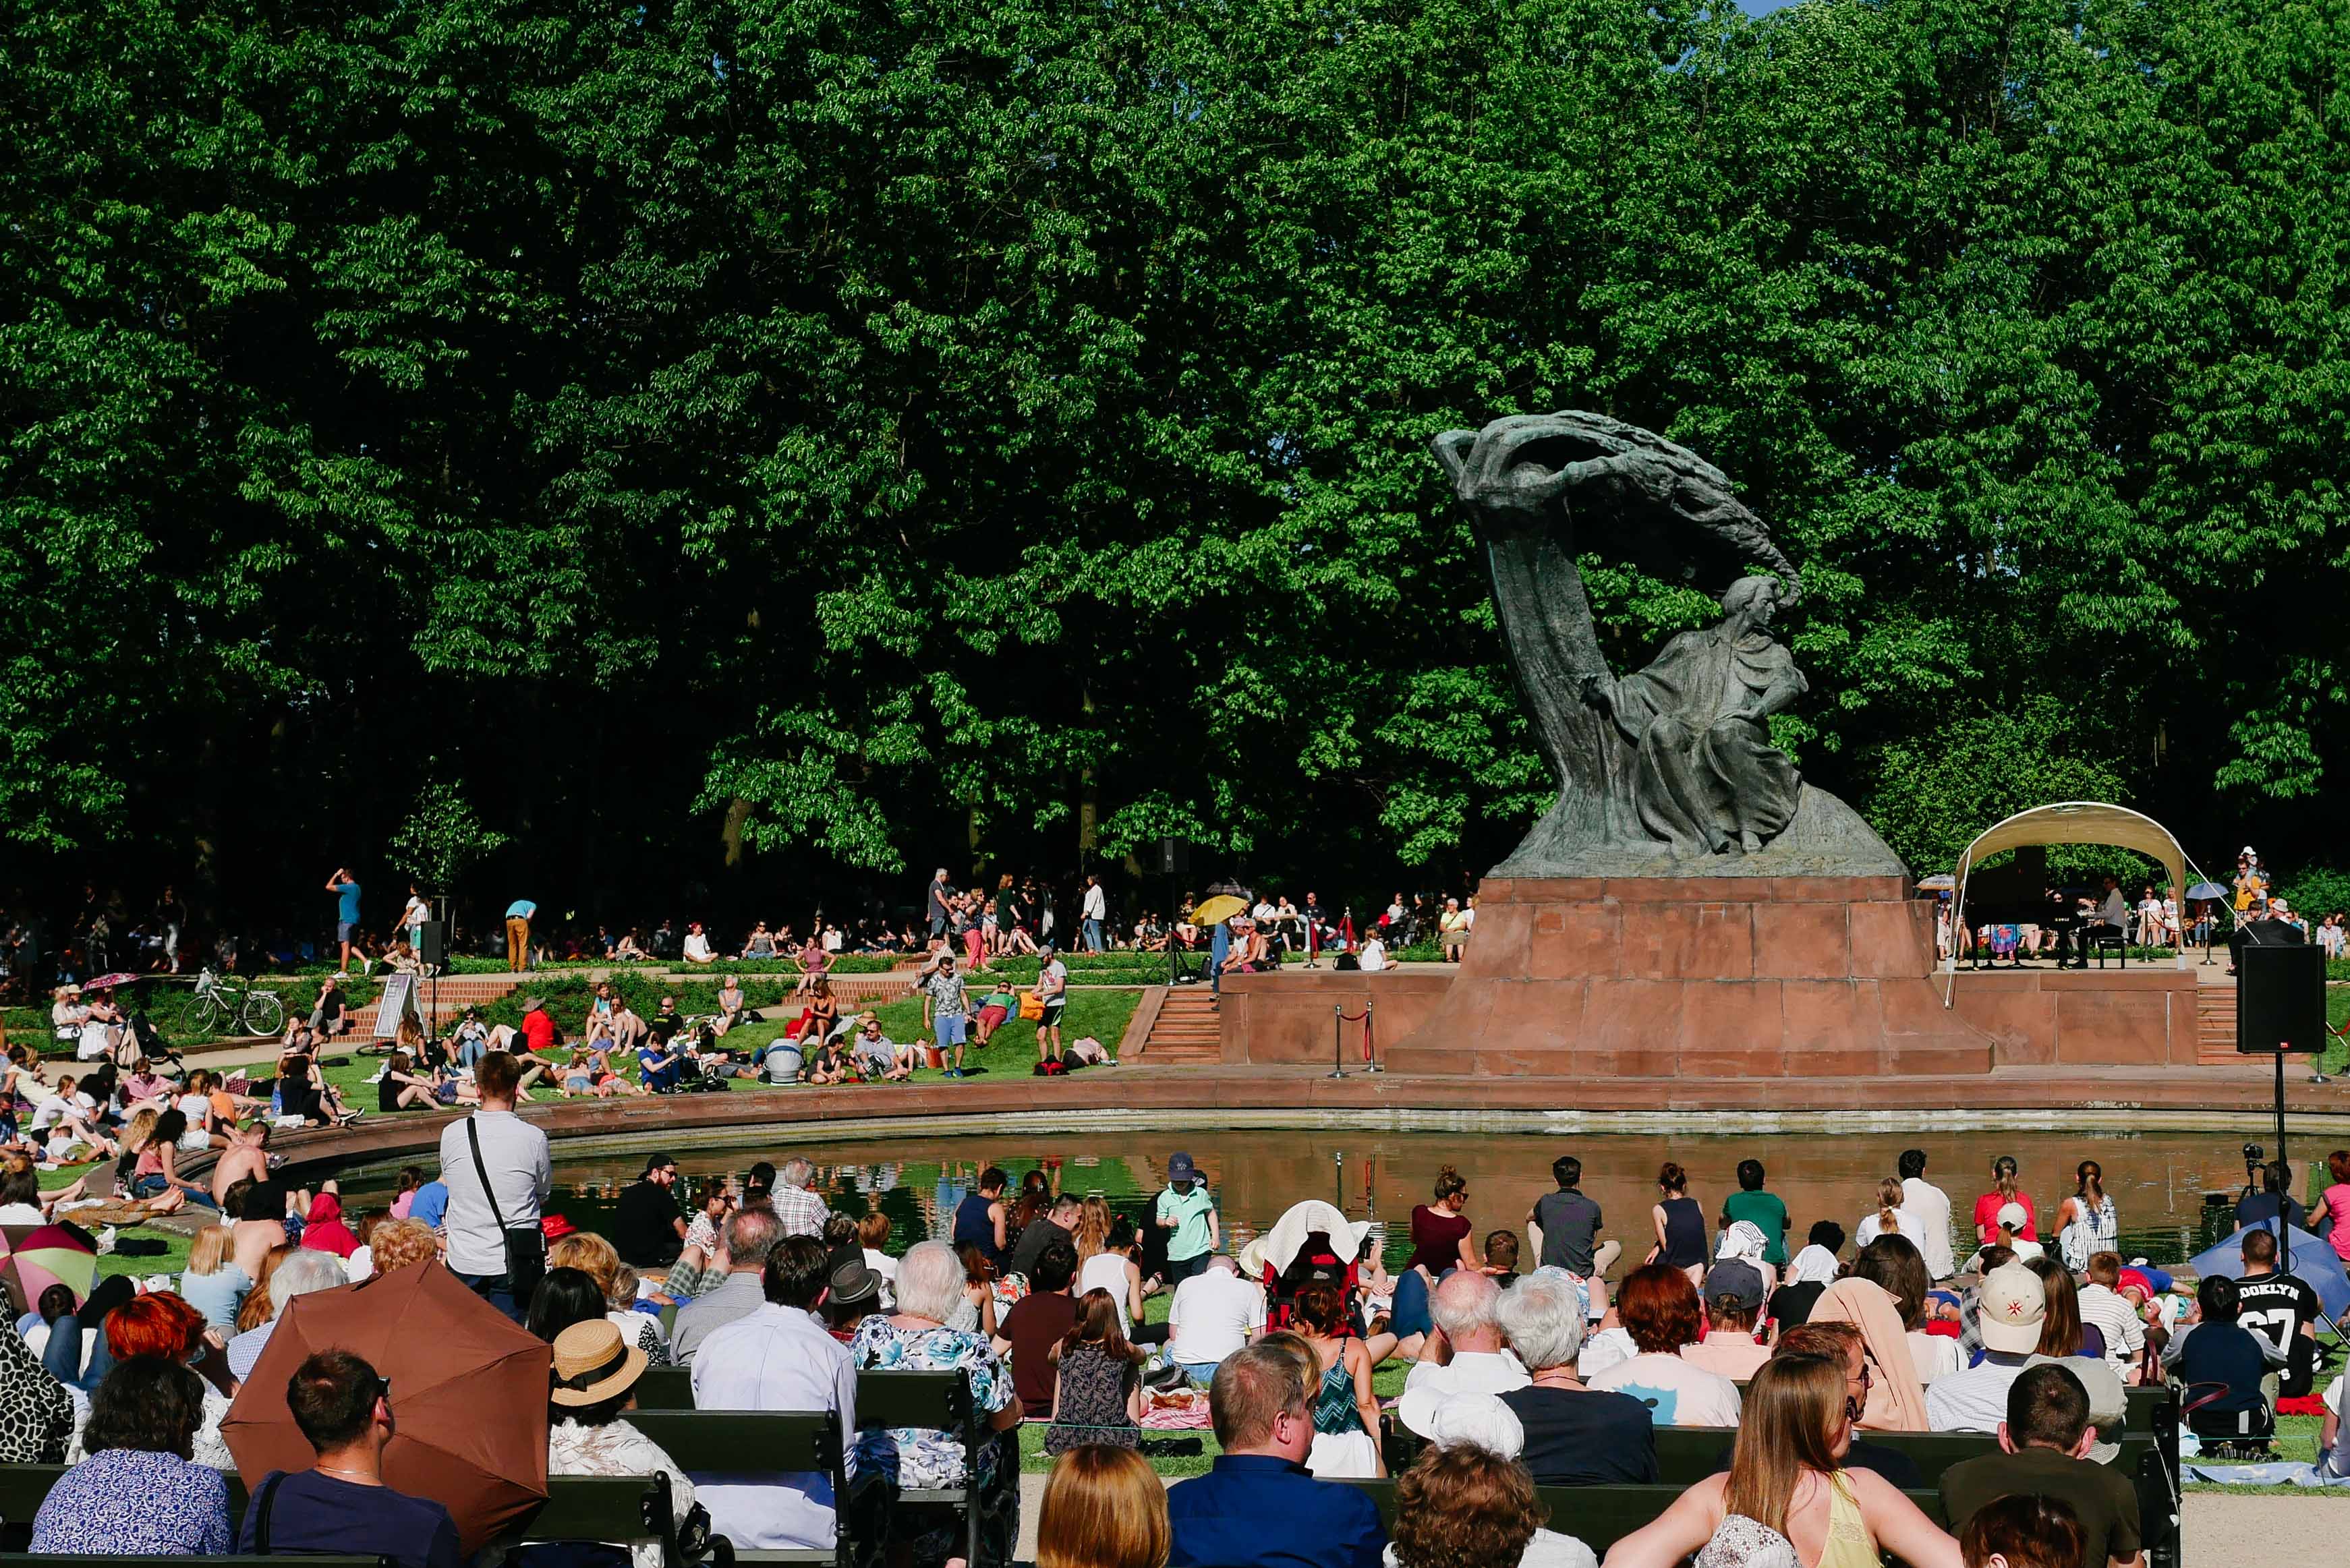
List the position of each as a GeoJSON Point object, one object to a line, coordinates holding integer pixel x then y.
{"type": "Point", "coordinates": [2010, 1319]}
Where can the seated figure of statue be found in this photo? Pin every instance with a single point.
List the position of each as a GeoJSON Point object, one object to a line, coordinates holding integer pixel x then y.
{"type": "Point", "coordinates": [1708, 780]}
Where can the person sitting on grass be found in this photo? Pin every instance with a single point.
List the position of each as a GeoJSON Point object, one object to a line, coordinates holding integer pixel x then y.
{"type": "Point", "coordinates": [659, 1066]}
{"type": "Point", "coordinates": [400, 1089]}
{"type": "Point", "coordinates": [878, 1056]}
{"type": "Point", "coordinates": [994, 1009]}
{"type": "Point", "coordinates": [827, 1065]}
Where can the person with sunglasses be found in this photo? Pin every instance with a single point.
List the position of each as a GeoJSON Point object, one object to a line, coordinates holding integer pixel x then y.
{"type": "Point", "coordinates": [341, 1507]}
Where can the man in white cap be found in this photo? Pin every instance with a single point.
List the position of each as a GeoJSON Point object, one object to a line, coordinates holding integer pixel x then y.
{"type": "Point", "coordinates": [2010, 1314]}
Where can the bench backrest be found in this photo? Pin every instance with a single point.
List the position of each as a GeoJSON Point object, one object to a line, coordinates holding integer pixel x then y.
{"type": "Point", "coordinates": [940, 1400]}
{"type": "Point", "coordinates": [665, 1388]}
{"type": "Point", "coordinates": [744, 1440]}
{"type": "Point", "coordinates": [1686, 1455]}
{"type": "Point", "coordinates": [626, 1509]}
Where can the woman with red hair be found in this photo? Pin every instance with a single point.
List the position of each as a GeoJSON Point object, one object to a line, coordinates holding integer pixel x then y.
{"type": "Point", "coordinates": [1658, 1308]}
{"type": "Point", "coordinates": [163, 1326]}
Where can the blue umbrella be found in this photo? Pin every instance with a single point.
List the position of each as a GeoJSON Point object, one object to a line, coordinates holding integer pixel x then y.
{"type": "Point", "coordinates": [2207, 890]}
{"type": "Point", "coordinates": [2314, 1258]}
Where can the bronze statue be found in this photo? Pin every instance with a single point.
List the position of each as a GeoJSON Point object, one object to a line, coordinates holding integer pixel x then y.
{"type": "Point", "coordinates": [1669, 771]}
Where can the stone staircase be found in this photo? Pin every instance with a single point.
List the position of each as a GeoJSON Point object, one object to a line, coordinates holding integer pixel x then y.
{"type": "Point", "coordinates": [2215, 1027]}
{"type": "Point", "coordinates": [1174, 1026]}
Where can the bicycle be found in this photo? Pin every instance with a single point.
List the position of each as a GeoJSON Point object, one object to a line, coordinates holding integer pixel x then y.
{"type": "Point", "coordinates": [220, 1000]}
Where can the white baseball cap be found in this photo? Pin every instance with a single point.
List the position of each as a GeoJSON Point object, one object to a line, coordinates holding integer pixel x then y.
{"type": "Point", "coordinates": [2012, 1309]}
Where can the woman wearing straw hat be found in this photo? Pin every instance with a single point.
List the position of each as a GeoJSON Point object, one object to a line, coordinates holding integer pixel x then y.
{"type": "Point", "coordinates": [595, 1380]}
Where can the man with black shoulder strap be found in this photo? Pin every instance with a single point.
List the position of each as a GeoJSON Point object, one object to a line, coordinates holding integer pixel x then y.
{"type": "Point", "coordinates": [497, 1169]}
{"type": "Point", "coordinates": [341, 1506]}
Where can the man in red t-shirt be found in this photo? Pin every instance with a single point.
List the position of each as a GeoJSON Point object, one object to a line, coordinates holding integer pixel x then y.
{"type": "Point", "coordinates": [537, 1028]}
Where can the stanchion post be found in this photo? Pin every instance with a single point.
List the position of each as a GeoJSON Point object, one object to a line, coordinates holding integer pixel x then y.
{"type": "Point", "coordinates": [1370, 1036]}
{"type": "Point", "coordinates": [1338, 1040]}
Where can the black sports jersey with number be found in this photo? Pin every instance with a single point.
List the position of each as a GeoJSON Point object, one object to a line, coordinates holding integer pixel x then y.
{"type": "Point", "coordinates": [2277, 1307]}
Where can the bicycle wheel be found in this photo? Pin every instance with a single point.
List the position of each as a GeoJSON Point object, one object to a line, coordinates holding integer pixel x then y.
{"type": "Point", "coordinates": [263, 1013]}
{"type": "Point", "coordinates": [203, 1016]}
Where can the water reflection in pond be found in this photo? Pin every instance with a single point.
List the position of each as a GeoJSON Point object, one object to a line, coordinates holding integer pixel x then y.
{"type": "Point", "coordinates": [2158, 1179]}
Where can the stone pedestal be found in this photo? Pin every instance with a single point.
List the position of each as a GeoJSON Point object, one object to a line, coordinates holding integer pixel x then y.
{"type": "Point", "coordinates": [1787, 977]}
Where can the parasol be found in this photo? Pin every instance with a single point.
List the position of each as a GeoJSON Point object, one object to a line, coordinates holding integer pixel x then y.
{"type": "Point", "coordinates": [109, 982]}
{"type": "Point", "coordinates": [1941, 882]}
{"type": "Point", "coordinates": [2312, 1260]}
{"type": "Point", "coordinates": [451, 1360]}
{"type": "Point", "coordinates": [1215, 911]}
{"type": "Point", "coordinates": [31, 1260]}
{"type": "Point", "coordinates": [2207, 890]}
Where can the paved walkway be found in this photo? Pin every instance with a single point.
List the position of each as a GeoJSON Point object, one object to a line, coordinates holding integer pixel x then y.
{"type": "Point", "coordinates": [2225, 1531]}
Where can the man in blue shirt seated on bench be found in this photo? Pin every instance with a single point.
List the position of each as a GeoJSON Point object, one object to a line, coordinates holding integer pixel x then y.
{"type": "Point", "coordinates": [1258, 1507]}
{"type": "Point", "coordinates": [342, 1505]}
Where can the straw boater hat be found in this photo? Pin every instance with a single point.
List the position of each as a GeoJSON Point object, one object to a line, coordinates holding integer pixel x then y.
{"type": "Point", "coordinates": [593, 1363]}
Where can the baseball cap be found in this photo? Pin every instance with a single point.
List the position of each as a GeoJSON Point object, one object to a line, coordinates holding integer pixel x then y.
{"type": "Point", "coordinates": [2013, 1216]}
{"type": "Point", "coordinates": [2013, 1305]}
{"type": "Point", "coordinates": [1734, 1277]}
{"type": "Point", "coordinates": [660, 1162]}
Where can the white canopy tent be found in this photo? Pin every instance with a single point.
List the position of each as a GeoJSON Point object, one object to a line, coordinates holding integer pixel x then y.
{"type": "Point", "coordinates": [2070, 822]}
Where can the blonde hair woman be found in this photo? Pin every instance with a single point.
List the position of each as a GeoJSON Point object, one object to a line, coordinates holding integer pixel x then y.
{"type": "Point", "coordinates": [1103, 1508]}
{"type": "Point", "coordinates": [213, 1285]}
{"type": "Point", "coordinates": [1787, 1489]}
{"type": "Point", "coordinates": [1092, 1227]}
{"type": "Point", "coordinates": [597, 1258]}
{"type": "Point", "coordinates": [1890, 1219]}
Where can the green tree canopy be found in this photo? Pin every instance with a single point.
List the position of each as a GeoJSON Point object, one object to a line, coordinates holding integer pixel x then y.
{"type": "Point", "coordinates": [836, 437]}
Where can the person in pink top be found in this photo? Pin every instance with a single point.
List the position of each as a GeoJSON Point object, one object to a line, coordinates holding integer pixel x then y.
{"type": "Point", "coordinates": [2335, 1201]}
{"type": "Point", "coordinates": [1733, 1300]}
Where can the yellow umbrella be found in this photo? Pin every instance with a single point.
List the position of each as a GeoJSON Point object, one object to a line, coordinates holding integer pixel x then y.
{"type": "Point", "coordinates": [1215, 911]}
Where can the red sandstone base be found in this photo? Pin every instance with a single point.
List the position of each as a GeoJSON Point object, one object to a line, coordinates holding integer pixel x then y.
{"type": "Point", "coordinates": [1710, 979]}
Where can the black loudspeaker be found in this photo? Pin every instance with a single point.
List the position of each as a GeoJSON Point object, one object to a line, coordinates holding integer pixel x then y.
{"type": "Point", "coordinates": [2280, 996]}
{"type": "Point", "coordinates": [433, 943]}
{"type": "Point", "coordinates": [1174, 857]}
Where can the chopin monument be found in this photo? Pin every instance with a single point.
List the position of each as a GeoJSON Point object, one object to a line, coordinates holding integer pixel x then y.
{"type": "Point", "coordinates": [1688, 906]}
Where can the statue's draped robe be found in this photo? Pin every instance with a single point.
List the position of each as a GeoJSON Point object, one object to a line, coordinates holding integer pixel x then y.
{"type": "Point", "coordinates": [1704, 775]}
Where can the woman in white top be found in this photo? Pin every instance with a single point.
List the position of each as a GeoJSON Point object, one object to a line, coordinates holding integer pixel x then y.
{"type": "Point", "coordinates": [1113, 1269]}
{"type": "Point", "coordinates": [1891, 1218]}
{"type": "Point", "coordinates": [595, 1376]}
{"type": "Point", "coordinates": [2086, 1222]}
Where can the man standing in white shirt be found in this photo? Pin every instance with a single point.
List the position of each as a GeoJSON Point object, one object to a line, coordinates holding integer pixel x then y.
{"type": "Point", "coordinates": [512, 1154]}
{"type": "Point", "coordinates": [1213, 1315]}
{"type": "Point", "coordinates": [1932, 1205]}
{"type": "Point", "coordinates": [1094, 911]}
{"type": "Point", "coordinates": [1466, 1306]}
{"type": "Point", "coordinates": [780, 1357]}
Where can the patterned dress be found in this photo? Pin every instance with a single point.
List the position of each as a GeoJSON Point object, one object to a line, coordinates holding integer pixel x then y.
{"type": "Point", "coordinates": [122, 1501]}
{"type": "Point", "coordinates": [887, 1460]}
{"type": "Point", "coordinates": [1091, 1405]}
{"type": "Point", "coordinates": [36, 1413]}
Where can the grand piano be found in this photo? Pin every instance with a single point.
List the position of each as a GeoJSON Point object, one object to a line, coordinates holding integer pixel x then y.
{"type": "Point", "coordinates": [2018, 893]}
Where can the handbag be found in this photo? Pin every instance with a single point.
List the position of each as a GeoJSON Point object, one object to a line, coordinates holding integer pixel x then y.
{"type": "Point", "coordinates": [526, 1244]}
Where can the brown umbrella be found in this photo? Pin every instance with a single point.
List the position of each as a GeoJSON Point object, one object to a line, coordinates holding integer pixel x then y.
{"type": "Point", "coordinates": [468, 1395]}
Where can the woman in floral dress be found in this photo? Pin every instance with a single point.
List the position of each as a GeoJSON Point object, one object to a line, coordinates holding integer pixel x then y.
{"type": "Point", "coordinates": [890, 1460]}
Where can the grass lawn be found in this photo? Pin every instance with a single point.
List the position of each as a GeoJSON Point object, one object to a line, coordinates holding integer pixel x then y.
{"type": "Point", "coordinates": [1102, 1012]}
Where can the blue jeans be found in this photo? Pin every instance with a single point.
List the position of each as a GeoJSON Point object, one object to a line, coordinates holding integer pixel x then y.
{"type": "Point", "coordinates": [1200, 1372]}
{"type": "Point", "coordinates": [151, 1186]}
{"type": "Point", "coordinates": [1410, 1314]}
{"type": "Point", "coordinates": [62, 1355]}
{"type": "Point", "coordinates": [492, 1289]}
{"type": "Point", "coordinates": [1093, 936]}
{"type": "Point", "coordinates": [470, 1051]}
{"type": "Point", "coordinates": [663, 1077]}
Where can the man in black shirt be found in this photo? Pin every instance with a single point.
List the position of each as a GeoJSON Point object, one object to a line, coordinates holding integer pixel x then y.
{"type": "Point", "coordinates": [1567, 1224]}
{"type": "Point", "coordinates": [1058, 1223]}
{"type": "Point", "coordinates": [646, 1229]}
{"type": "Point", "coordinates": [2281, 1309]}
{"type": "Point", "coordinates": [2045, 1447]}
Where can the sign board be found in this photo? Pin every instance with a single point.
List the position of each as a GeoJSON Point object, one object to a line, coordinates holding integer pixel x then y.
{"type": "Point", "coordinates": [398, 1001]}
